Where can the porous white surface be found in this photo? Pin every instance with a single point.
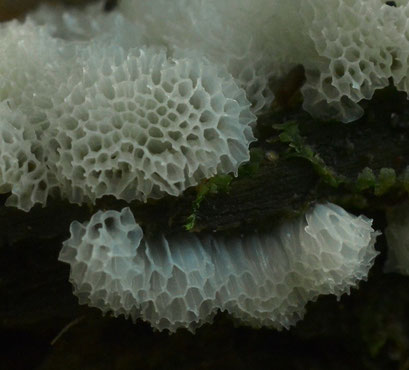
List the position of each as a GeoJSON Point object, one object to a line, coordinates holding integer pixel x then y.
{"type": "Point", "coordinates": [180, 281]}
{"type": "Point", "coordinates": [111, 118]}
{"type": "Point", "coordinates": [227, 32]}
{"type": "Point", "coordinates": [397, 237]}
{"type": "Point", "coordinates": [22, 169]}
{"type": "Point", "coordinates": [348, 48]}
{"type": "Point", "coordinates": [32, 67]}
{"type": "Point", "coordinates": [138, 124]}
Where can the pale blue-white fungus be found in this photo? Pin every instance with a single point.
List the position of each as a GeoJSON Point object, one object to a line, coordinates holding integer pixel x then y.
{"type": "Point", "coordinates": [110, 115]}
{"type": "Point", "coordinates": [181, 281]}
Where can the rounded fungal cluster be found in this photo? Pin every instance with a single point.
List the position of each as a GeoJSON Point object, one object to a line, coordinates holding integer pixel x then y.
{"type": "Point", "coordinates": [181, 281]}
{"type": "Point", "coordinates": [138, 124]}
{"type": "Point", "coordinates": [362, 45]}
{"type": "Point", "coordinates": [349, 49]}
{"type": "Point", "coordinates": [106, 115]}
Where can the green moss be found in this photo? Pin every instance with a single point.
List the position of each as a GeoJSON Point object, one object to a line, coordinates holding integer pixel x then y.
{"type": "Point", "coordinates": [218, 183]}
{"type": "Point", "coordinates": [366, 180]}
{"type": "Point", "coordinates": [378, 185]}
{"type": "Point", "coordinates": [221, 184]}
{"type": "Point", "coordinates": [386, 180]}
{"type": "Point", "coordinates": [250, 168]}
{"type": "Point", "coordinates": [290, 134]}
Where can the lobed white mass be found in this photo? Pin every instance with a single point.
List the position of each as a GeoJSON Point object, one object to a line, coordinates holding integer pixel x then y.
{"type": "Point", "coordinates": [349, 49]}
{"type": "Point", "coordinates": [139, 124]}
{"type": "Point", "coordinates": [105, 115]}
{"type": "Point", "coordinates": [181, 281]}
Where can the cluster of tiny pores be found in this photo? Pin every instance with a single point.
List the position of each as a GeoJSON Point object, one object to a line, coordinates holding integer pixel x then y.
{"type": "Point", "coordinates": [141, 103]}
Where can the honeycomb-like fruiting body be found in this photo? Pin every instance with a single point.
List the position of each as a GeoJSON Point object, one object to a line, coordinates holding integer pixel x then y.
{"type": "Point", "coordinates": [225, 32]}
{"type": "Point", "coordinates": [397, 237]}
{"type": "Point", "coordinates": [110, 118]}
{"type": "Point", "coordinates": [137, 124]}
{"type": "Point", "coordinates": [22, 170]}
{"type": "Point", "coordinates": [349, 50]}
{"type": "Point", "coordinates": [32, 67]}
{"type": "Point", "coordinates": [180, 281]}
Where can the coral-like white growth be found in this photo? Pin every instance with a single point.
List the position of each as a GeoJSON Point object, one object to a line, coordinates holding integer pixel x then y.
{"type": "Point", "coordinates": [397, 236]}
{"type": "Point", "coordinates": [110, 118]}
{"type": "Point", "coordinates": [262, 279]}
{"type": "Point", "coordinates": [138, 124]}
